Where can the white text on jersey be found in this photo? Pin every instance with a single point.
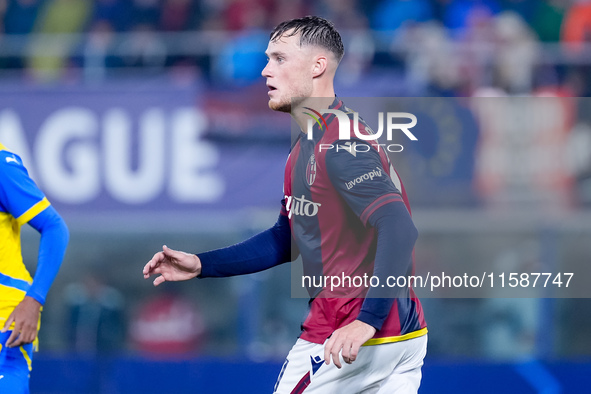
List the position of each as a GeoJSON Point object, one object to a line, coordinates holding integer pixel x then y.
{"type": "Point", "coordinates": [367, 176]}
{"type": "Point", "coordinates": [299, 206]}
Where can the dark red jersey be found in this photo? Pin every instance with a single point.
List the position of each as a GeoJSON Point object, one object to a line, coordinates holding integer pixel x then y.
{"type": "Point", "coordinates": [332, 187]}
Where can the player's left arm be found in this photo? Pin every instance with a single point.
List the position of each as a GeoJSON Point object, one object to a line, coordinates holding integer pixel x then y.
{"type": "Point", "coordinates": [377, 202]}
{"type": "Point", "coordinates": [21, 197]}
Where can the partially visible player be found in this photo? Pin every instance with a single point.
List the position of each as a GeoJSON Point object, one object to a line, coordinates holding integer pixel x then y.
{"type": "Point", "coordinates": [22, 297]}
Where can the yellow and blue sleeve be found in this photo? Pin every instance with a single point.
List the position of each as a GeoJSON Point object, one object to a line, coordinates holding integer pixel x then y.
{"type": "Point", "coordinates": [52, 247]}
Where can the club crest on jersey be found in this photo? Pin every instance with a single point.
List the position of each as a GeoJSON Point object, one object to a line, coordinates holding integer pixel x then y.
{"type": "Point", "coordinates": [311, 170]}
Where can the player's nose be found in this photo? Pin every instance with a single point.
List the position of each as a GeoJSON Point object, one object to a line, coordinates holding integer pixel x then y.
{"type": "Point", "coordinates": [266, 71]}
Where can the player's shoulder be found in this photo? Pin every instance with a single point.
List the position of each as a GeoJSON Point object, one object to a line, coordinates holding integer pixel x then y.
{"type": "Point", "coordinates": [357, 121]}
{"type": "Point", "coordinates": [352, 150]}
{"type": "Point", "coordinates": [11, 163]}
{"type": "Point", "coordinates": [357, 127]}
{"type": "Point", "coordinates": [8, 158]}
{"type": "Point", "coordinates": [352, 158]}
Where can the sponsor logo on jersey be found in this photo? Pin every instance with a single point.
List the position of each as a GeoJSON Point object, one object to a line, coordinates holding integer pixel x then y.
{"type": "Point", "coordinates": [300, 206]}
{"type": "Point", "coordinates": [365, 177]}
{"type": "Point", "coordinates": [311, 170]}
{"type": "Point", "coordinates": [12, 159]}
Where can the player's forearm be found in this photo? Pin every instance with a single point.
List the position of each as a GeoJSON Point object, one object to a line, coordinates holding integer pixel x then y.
{"type": "Point", "coordinates": [396, 235]}
{"type": "Point", "coordinates": [262, 251]}
{"type": "Point", "coordinates": [52, 247]}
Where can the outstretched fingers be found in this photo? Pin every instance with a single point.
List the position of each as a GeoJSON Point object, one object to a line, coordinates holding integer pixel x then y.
{"type": "Point", "coordinates": [171, 253]}
{"type": "Point", "coordinates": [153, 264]}
{"type": "Point", "coordinates": [173, 265]}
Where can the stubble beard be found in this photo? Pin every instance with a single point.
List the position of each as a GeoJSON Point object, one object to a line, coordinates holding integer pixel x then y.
{"type": "Point", "coordinates": [294, 99]}
{"type": "Point", "coordinates": [286, 105]}
{"type": "Point", "coordinates": [282, 106]}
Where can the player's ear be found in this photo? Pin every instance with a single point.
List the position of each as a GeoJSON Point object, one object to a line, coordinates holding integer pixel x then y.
{"type": "Point", "coordinates": [319, 66]}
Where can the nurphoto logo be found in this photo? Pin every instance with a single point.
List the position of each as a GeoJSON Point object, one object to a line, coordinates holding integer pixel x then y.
{"type": "Point", "coordinates": [369, 135]}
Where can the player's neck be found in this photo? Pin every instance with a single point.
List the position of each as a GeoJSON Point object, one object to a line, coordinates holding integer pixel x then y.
{"type": "Point", "coordinates": [320, 100]}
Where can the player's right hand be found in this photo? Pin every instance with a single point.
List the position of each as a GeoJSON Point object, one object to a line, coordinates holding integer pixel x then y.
{"type": "Point", "coordinates": [172, 265]}
{"type": "Point", "coordinates": [26, 319]}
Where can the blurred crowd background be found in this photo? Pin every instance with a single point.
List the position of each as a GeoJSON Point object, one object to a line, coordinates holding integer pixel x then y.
{"type": "Point", "coordinates": [146, 123]}
{"type": "Point", "coordinates": [436, 47]}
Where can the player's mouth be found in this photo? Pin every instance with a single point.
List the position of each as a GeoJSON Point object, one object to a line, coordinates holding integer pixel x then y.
{"type": "Point", "coordinates": [271, 89]}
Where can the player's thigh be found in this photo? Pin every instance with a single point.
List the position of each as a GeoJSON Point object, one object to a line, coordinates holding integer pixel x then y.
{"type": "Point", "coordinates": [304, 371]}
{"type": "Point", "coordinates": [15, 366]}
{"type": "Point", "coordinates": [13, 383]}
{"type": "Point", "coordinates": [301, 364]}
{"type": "Point", "coordinates": [406, 375]}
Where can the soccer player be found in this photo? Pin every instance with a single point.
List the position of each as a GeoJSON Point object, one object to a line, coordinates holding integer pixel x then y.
{"type": "Point", "coordinates": [21, 297]}
{"type": "Point", "coordinates": [340, 228]}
